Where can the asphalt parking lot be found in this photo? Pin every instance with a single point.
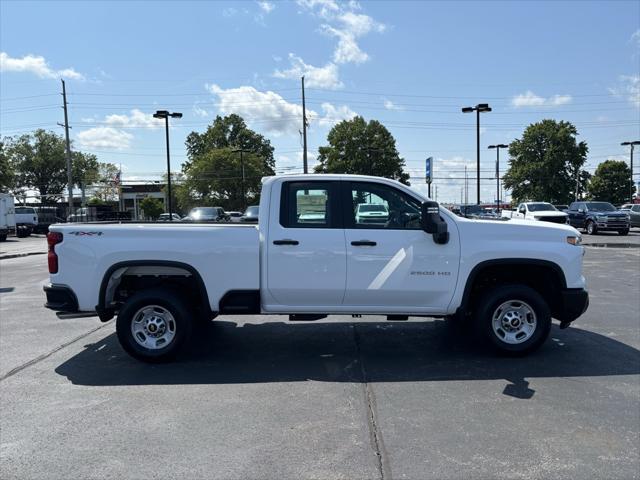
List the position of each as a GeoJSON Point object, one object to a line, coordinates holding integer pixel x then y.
{"type": "Point", "coordinates": [260, 397]}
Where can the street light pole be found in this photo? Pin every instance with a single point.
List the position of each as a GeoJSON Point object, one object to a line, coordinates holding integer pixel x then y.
{"type": "Point", "coordinates": [164, 114]}
{"type": "Point", "coordinates": [497, 148]}
{"type": "Point", "coordinates": [631, 144]}
{"type": "Point", "coordinates": [481, 107]}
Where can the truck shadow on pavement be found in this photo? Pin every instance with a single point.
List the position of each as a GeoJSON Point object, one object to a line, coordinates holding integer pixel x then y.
{"type": "Point", "coordinates": [229, 353]}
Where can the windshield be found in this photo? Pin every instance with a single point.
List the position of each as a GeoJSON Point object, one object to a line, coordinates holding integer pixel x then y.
{"type": "Point", "coordinates": [24, 210]}
{"type": "Point", "coordinates": [600, 207]}
{"type": "Point", "coordinates": [369, 207]}
{"type": "Point", "coordinates": [540, 207]}
{"type": "Point", "coordinates": [252, 211]}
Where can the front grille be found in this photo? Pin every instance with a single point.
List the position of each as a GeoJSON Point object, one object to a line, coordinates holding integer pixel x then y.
{"type": "Point", "coordinates": [554, 219]}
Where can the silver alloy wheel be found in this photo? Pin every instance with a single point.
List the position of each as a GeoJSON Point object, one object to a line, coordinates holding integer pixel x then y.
{"type": "Point", "coordinates": [590, 228]}
{"type": "Point", "coordinates": [153, 327]}
{"type": "Point", "coordinates": [514, 322]}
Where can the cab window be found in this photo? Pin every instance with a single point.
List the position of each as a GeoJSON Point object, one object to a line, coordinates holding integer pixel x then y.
{"type": "Point", "coordinates": [308, 205]}
{"type": "Point", "coordinates": [377, 206]}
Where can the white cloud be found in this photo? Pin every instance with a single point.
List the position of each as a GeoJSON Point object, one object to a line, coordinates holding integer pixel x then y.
{"type": "Point", "coordinates": [104, 137]}
{"type": "Point", "coordinates": [319, 77]}
{"type": "Point", "coordinates": [530, 99]}
{"type": "Point", "coordinates": [635, 37]}
{"type": "Point", "coordinates": [345, 25]}
{"type": "Point", "coordinates": [137, 119]}
{"type": "Point", "coordinates": [36, 65]}
{"type": "Point", "coordinates": [199, 111]}
{"type": "Point", "coordinates": [629, 87]}
{"type": "Point", "coordinates": [333, 114]}
{"type": "Point", "coordinates": [268, 111]}
{"type": "Point", "coordinates": [389, 105]}
{"type": "Point", "coordinates": [265, 6]}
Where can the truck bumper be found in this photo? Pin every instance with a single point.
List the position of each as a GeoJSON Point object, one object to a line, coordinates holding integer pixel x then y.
{"type": "Point", "coordinates": [60, 298]}
{"type": "Point", "coordinates": [573, 303]}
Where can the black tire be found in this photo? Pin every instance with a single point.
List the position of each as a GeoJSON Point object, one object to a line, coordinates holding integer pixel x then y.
{"type": "Point", "coordinates": [591, 228]}
{"type": "Point", "coordinates": [167, 300]}
{"type": "Point", "coordinates": [3, 237]}
{"type": "Point", "coordinates": [493, 299]}
{"type": "Point", "coordinates": [623, 232]}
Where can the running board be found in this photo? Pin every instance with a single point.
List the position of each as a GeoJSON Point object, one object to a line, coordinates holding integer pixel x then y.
{"type": "Point", "coordinates": [305, 317]}
{"type": "Point", "coordinates": [397, 318]}
{"type": "Point", "coordinates": [69, 316]}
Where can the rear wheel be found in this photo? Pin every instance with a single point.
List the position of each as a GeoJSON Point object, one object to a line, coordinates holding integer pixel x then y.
{"type": "Point", "coordinates": [591, 228]}
{"type": "Point", "coordinates": [3, 237]}
{"type": "Point", "coordinates": [153, 325]}
{"type": "Point", "coordinates": [514, 319]}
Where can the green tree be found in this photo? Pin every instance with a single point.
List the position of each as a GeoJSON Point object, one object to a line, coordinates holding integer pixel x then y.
{"type": "Point", "coordinates": [215, 179]}
{"type": "Point", "coordinates": [85, 170]}
{"type": "Point", "coordinates": [361, 147]}
{"type": "Point", "coordinates": [545, 162]}
{"type": "Point", "coordinates": [107, 182]}
{"type": "Point", "coordinates": [152, 207]}
{"type": "Point", "coordinates": [611, 182]}
{"type": "Point", "coordinates": [7, 171]}
{"type": "Point", "coordinates": [39, 162]}
{"type": "Point", "coordinates": [229, 132]}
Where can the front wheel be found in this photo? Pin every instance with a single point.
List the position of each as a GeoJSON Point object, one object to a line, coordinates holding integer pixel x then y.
{"type": "Point", "coordinates": [623, 232]}
{"type": "Point", "coordinates": [514, 319]}
{"type": "Point", "coordinates": [591, 228]}
{"type": "Point", "coordinates": [153, 325]}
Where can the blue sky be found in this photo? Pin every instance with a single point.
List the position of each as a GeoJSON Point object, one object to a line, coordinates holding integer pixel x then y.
{"type": "Point", "coordinates": [411, 65]}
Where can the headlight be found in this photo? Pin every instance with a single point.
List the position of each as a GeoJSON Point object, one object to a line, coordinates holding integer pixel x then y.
{"type": "Point", "coordinates": [601, 218]}
{"type": "Point", "coordinates": [627, 217]}
{"type": "Point", "coordinates": [575, 240]}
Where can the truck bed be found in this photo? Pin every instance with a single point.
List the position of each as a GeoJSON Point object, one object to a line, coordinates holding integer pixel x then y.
{"type": "Point", "coordinates": [227, 255]}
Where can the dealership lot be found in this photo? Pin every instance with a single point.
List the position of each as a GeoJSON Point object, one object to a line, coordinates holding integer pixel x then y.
{"type": "Point", "coordinates": [261, 397]}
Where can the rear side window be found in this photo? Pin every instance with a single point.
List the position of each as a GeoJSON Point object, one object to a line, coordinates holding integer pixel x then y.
{"type": "Point", "coordinates": [308, 205]}
{"type": "Point", "coordinates": [24, 210]}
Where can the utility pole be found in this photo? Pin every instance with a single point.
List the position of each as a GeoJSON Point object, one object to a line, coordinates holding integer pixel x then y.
{"type": "Point", "coordinates": [466, 186]}
{"type": "Point", "coordinates": [631, 144]}
{"type": "Point", "coordinates": [304, 131]}
{"type": "Point", "coordinates": [497, 148]}
{"type": "Point", "coordinates": [244, 190]}
{"type": "Point", "coordinates": [68, 146]}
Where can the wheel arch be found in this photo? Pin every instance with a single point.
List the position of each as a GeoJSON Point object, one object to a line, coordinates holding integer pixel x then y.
{"type": "Point", "coordinates": [500, 265]}
{"type": "Point", "coordinates": [106, 313]}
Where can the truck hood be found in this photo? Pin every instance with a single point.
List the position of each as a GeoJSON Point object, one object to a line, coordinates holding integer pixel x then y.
{"type": "Point", "coordinates": [516, 229]}
{"type": "Point", "coordinates": [548, 213]}
{"type": "Point", "coordinates": [617, 213]}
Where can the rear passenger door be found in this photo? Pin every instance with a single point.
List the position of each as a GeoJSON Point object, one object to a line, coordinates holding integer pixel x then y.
{"type": "Point", "coordinates": [306, 264]}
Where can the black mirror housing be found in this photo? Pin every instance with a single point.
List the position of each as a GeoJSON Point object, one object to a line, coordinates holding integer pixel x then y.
{"type": "Point", "coordinates": [432, 223]}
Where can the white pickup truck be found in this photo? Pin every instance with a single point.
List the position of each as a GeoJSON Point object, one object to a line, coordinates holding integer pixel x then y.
{"type": "Point", "coordinates": [310, 256]}
{"type": "Point", "coordinates": [539, 211]}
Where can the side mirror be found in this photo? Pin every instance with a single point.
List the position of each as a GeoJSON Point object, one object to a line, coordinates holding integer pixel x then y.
{"type": "Point", "coordinates": [581, 210]}
{"type": "Point", "coordinates": [432, 223]}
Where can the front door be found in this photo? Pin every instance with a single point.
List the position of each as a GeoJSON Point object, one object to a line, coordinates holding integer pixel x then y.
{"type": "Point", "coordinates": [306, 264]}
{"type": "Point", "coordinates": [391, 262]}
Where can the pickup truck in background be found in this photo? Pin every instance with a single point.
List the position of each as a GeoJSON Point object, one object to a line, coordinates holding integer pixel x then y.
{"type": "Point", "coordinates": [593, 217]}
{"type": "Point", "coordinates": [539, 211]}
{"type": "Point", "coordinates": [311, 255]}
{"type": "Point", "coordinates": [26, 221]}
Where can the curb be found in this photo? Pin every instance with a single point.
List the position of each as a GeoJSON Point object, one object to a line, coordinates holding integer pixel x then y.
{"type": "Point", "coordinates": [16, 255]}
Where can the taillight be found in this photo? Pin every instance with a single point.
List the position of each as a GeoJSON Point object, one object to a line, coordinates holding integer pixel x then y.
{"type": "Point", "coordinates": [53, 238]}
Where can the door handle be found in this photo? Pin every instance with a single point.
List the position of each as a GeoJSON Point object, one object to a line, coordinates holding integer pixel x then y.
{"type": "Point", "coordinates": [363, 243]}
{"type": "Point", "coordinates": [286, 242]}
